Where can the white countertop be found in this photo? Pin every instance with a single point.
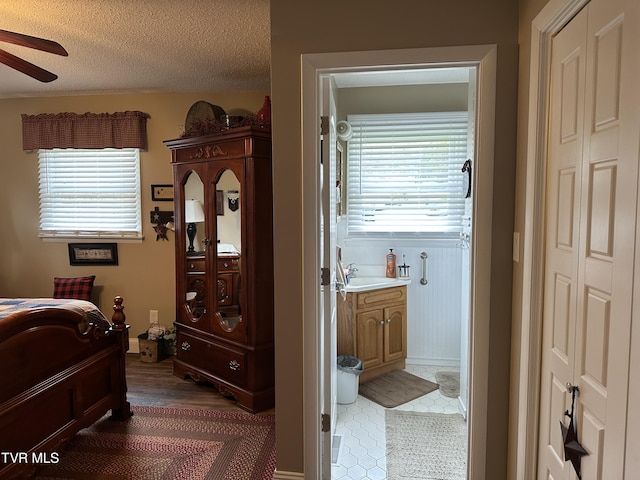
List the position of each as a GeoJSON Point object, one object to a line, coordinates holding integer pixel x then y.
{"type": "Point", "coordinates": [364, 283]}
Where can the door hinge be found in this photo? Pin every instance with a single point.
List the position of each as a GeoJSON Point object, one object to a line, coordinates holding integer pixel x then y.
{"type": "Point", "coordinates": [325, 276]}
{"type": "Point", "coordinates": [325, 421]}
{"type": "Point", "coordinates": [324, 125]}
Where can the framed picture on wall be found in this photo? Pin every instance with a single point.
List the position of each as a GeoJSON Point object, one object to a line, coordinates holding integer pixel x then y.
{"type": "Point", "coordinates": [93, 254]}
{"type": "Point", "coordinates": [162, 193]}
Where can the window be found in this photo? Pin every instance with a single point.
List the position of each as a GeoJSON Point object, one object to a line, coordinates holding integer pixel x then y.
{"type": "Point", "coordinates": [90, 193]}
{"type": "Point", "coordinates": [404, 173]}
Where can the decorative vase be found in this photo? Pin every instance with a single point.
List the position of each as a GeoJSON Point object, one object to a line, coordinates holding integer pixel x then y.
{"type": "Point", "coordinates": [264, 114]}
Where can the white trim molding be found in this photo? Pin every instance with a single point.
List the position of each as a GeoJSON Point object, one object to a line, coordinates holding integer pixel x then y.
{"type": "Point", "coordinates": [549, 21]}
{"type": "Point", "coordinates": [313, 67]}
{"type": "Point", "coordinates": [281, 475]}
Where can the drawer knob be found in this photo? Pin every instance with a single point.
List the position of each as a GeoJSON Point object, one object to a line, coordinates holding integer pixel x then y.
{"type": "Point", "coordinates": [381, 322]}
{"type": "Point", "coordinates": [234, 365]}
{"type": "Point", "coordinates": [185, 346]}
{"type": "Point", "coordinates": [192, 266]}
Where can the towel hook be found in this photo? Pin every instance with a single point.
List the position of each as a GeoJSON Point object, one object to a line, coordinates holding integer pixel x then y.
{"type": "Point", "coordinates": [423, 280]}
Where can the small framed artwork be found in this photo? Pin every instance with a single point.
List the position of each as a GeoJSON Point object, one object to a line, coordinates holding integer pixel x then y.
{"type": "Point", "coordinates": [93, 253]}
{"type": "Point", "coordinates": [162, 193]}
{"type": "Point", "coordinates": [219, 202]}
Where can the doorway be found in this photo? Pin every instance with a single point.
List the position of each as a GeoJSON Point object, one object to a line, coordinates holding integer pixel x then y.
{"type": "Point", "coordinates": [314, 67]}
{"type": "Point", "coordinates": [409, 111]}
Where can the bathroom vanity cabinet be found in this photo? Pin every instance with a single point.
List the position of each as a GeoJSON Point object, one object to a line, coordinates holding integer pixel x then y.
{"type": "Point", "coordinates": [224, 263]}
{"type": "Point", "coordinates": [372, 326]}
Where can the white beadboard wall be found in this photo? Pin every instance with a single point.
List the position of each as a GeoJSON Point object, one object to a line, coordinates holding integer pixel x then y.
{"type": "Point", "coordinates": [433, 310]}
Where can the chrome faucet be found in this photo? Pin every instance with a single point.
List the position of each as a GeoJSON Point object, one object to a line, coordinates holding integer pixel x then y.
{"type": "Point", "coordinates": [351, 270]}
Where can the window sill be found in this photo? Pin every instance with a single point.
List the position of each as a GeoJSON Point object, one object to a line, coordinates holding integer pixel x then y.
{"type": "Point", "coordinates": [89, 239]}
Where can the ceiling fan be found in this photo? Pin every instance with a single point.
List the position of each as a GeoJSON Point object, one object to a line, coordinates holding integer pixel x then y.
{"type": "Point", "coordinates": [23, 66]}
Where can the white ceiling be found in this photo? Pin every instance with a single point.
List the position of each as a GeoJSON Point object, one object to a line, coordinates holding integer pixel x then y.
{"type": "Point", "coordinates": [140, 46]}
{"type": "Point", "coordinates": [155, 46]}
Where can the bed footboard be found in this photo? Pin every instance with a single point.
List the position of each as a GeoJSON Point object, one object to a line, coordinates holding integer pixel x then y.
{"type": "Point", "coordinates": [85, 378]}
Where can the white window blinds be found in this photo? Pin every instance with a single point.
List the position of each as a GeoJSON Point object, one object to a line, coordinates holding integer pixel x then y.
{"type": "Point", "coordinates": [90, 193]}
{"type": "Point", "coordinates": [404, 172]}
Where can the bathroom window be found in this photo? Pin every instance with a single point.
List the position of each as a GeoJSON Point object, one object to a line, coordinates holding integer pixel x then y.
{"type": "Point", "coordinates": [92, 193]}
{"type": "Point", "coordinates": [404, 173]}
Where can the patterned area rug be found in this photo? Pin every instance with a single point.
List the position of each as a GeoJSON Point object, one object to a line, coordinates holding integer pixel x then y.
{"type": "Point", "coordinates": [426, 446]}
{"type": "Point", "coordinates": [171, 443]}
{"type": "Point", "coordinates": [449, 383]}
{"type": "Point", "coordinates": [396, 388]}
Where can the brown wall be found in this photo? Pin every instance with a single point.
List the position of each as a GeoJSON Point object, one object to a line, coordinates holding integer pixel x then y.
{"type": "Point", "coordinates": [334, 26]}
{"type": "Point", "coordinates": [528, 10]}
{"type": "Point", "coordinates": [145, 274]}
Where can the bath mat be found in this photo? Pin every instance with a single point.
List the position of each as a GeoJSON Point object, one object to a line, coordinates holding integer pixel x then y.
{"type": "Point", "coordinates": [414, 454]}
{"type": "Point", "coordinates": [396, 388]}
{"type": "Point", "coordinates": [449, 383]}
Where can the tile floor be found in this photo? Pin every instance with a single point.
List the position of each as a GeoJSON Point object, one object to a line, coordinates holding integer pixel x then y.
{"type": "Point", "coordinates": [362, 430]}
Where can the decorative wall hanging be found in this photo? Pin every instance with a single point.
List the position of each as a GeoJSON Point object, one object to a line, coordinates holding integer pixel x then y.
{"type": "Point", "coordinates": [466, 179]}
{"type": "Point", "coordinates": [573, 451]}
{"type": "Point", "coordinates": [161, 219]}
{"type": "Point", "coordinates": [233, 200]}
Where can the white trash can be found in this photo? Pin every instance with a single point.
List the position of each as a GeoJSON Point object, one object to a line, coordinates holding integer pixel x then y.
{"type": "Point", "coordinates": [349, 369]}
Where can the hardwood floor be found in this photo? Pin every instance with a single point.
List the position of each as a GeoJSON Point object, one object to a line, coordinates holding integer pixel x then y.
{"type": "Point", "coordinates": [153, 384]}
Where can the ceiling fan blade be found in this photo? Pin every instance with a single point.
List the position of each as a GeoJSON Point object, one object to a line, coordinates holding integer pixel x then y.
{"type": "Point", "coordinates": [26, 67]}
{"type": "Point", "coordinates": [32, 42]}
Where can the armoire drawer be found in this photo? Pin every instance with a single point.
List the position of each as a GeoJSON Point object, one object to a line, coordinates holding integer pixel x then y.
{"type": "Point", "coordinates": [228, 264]}
{"type": "Point", "coordinates": [195, 265]}
{"type": "Point", "coordinates": [220, 360]}
{"type": "Point", "coordinates": [228, 363]}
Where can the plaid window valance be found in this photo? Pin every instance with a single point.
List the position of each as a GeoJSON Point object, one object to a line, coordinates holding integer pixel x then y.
{"type": "Point", "coordinates": [88, 130]}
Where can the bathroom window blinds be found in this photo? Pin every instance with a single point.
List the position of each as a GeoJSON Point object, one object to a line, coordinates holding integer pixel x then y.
{"type": "Point", "coordinates": [404, 172]}
{"type": "Point", "coordinates": [92, 193]}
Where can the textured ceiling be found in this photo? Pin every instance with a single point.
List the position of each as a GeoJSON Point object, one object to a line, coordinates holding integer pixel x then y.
{"type": "Point", "coordinates": [140, 46]}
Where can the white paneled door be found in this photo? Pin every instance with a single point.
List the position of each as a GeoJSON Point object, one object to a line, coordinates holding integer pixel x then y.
{"type": "Point", "coordinates": [592, 186]}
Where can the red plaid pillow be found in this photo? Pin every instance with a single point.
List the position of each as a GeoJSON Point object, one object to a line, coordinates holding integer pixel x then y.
{"type": "Point", "coordinates": [78, 288]}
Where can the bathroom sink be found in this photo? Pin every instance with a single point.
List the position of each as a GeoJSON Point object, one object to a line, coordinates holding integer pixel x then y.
{"type": "Point", "coordinates": [360, 284]}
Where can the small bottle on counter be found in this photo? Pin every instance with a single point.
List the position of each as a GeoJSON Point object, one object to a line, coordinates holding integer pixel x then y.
{"type": "Point", "coordinates": [391, 264]}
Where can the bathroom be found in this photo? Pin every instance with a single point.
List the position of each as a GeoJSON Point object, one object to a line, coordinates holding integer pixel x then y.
{"type": "Point", "coordinates": [438, 293]}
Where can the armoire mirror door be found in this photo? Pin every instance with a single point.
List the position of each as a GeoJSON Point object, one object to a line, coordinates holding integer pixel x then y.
{"type": "Point", "coordinates": [229, 319]}
{"type": "Point", "coordinates": [195, 228]}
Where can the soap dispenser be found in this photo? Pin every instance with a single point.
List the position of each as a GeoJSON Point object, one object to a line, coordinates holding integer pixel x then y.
{"type": "Point", "coordinates": [391, 264]}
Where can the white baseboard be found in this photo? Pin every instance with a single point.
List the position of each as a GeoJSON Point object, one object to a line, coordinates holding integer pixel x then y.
{"type": "Point", "coordinates": [280, 475]}
{"type": "Point", "coordinates": [463, 410]}
{"type": "Point", "coordinates": [435, 362]}
{"type": "Point", "coordinates": [134, 345]}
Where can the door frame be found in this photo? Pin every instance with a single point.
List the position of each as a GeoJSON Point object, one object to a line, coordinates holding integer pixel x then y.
{"type": "Point", "coordinates": [313, 66]}
{"type": "Point", "coordinates": [551, 19]}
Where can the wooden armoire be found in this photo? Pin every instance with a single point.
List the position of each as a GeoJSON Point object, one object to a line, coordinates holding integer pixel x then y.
{"type": "Point", "coordinates": [224, 263]}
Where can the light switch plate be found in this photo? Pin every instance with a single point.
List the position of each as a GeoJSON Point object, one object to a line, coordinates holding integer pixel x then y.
{"type": "Point", "coordinates": [516, 246]}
